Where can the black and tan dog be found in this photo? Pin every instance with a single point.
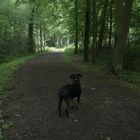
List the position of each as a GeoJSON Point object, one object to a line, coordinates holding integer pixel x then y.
{"type": "Point", "coordinates": [69, 92]}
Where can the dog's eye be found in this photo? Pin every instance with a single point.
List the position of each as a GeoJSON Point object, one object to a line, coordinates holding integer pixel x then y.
{"type": "Point", "coordinates": [76, 77]}
{"type": "Point", "coordinates": [72, 76]}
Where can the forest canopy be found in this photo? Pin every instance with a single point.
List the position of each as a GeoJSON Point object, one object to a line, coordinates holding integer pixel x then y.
{"type": "Point", "coordinates": [92, 27]}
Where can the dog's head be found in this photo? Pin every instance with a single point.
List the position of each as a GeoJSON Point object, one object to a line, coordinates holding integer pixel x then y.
{"type": "Point", "coordinates": [75, 77]}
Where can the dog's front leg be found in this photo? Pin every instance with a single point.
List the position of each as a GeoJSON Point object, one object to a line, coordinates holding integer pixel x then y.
{"type": "Point", "coordinates": [60, 105]}
{"type": "Point", "coordinates": [78, 102]}
{"type": "Point", "coordinates": [72, 104]}
{"type": "Point", "coordinates": [67, 108]}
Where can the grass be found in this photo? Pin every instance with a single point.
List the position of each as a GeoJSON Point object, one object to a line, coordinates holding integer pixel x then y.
{"type": "Point", "coordinates": [8, 69]}
{"type": "Point", "coordinates": [77, 61]}
{"type": "Point", "coordinates": [101, 69]}
{"type": "Point", "coordinates": [130, 77]}
{"type": "Point", "coordinates": [6, 72]}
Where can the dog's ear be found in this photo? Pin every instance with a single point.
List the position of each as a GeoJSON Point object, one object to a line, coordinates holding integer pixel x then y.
{"type": "Point", "coordinates": [80, 75]}
{"type": "Point", "coordinates": [71, 76]}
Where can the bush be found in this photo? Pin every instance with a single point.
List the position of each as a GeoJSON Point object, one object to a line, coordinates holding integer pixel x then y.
{"type": "Point", "coordinates": [132, 59]}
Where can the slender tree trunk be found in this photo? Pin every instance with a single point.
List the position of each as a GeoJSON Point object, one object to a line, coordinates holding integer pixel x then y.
{"type": "Point", "coordinates": [6, 33]}
{"type": "Point", "coordinates": [76, 27]}
{"type": "Point", "coordinates": [86, 38]}
{"type": "Point", "coordinates": [123, 16]}
{"type": "Point", "coordinates": [61, 42]}
{"type": "Point", "coordinates": [31, 48]}
{"type": "Point", "coordinates": [94, 32]}
{"type": "Point", "coordinates": [41, 42]}
{"type": "Point", "coordinates": [1, 30]}
{"type": "Point", "coordinates": [110, 26]}
{"type": "Point", "coordinates": [102, 27]}
{"type": "Point", "coordinates": [68, 41]}
{"type": "Point", "coordinates": [57, 41]}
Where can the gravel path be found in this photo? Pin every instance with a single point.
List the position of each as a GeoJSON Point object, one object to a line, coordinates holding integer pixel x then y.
{"type": "Point", "coordinates": [108, 110]}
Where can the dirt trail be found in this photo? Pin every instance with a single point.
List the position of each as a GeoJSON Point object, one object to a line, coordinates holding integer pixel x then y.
{"type": "Point", "coordinates": [108, 110]}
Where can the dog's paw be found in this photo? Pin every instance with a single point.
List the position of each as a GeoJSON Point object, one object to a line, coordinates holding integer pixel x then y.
{"type": "Point", "coordinates": [79, 108]}
{"type": "Point", "coordinates": [69, 116]}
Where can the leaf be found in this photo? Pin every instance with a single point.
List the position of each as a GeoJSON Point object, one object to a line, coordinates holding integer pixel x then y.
{"type": "Point", "coordinates": [7, 125]}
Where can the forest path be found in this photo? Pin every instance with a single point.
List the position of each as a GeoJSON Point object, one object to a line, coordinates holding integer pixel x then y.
{"type": "Point", "coordinates": [108, 110]}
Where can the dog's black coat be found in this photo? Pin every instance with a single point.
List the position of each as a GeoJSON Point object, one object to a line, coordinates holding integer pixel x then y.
{"type": "Point", "coordinates": [69, 92]}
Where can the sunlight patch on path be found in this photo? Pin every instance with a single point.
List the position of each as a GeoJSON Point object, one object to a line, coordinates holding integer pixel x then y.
{"type": "Point", "coordinates": [53, 49]}
{"type": "Point", "coordinates": [56, 49]}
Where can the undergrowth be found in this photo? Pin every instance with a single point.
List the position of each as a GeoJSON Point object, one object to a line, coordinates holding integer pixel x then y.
{"type": "Point", "coordinates": [102, 67]}
{"type": "Point", "coordinates": [77, 61]}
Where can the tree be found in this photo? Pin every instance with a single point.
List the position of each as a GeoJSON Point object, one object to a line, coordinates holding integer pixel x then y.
{"type": "Point", "coordinates": [94, 31]}
{"type": "Point", "coordinates": [31, 3]}
{"type": "Point", "coordinates": [87, 33]}
{"type": "Point", "coordinates": [31, 48]}
{"type": "Point", "coordinates": [76, 26]}
{"type": "Point", "coordinates": [123, 16]}
{"type": "Point", "coordinates": [13, 21]}
{"type": "Point", "coordinates": [102, 27]}
{"type": "Point", "coordinates": [110, 24]}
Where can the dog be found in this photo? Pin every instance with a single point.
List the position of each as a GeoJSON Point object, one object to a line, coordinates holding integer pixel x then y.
{"type": "Point", "coordinates": [69, 92]}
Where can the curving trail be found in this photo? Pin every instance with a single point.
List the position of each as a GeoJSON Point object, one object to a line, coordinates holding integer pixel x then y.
{"type": "Point", "coordinates": [108, 110]}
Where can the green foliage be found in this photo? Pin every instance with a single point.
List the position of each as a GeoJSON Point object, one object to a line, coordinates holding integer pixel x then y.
{"type": "Point", "coordinates": [102, 66]}
{"type": "Point", "coordinates": [130, 76]}
{"type": "Point", "coordinates": [12, 29]}
{"type": "Point", "coordinates": [69, 50]}
{"type": "Point", "coordinates": [135, 17]}
{"type": "Point", "coordinates": [8, 69]}
{"type": "Point", "coordinates": [132, 58]}
{"type": "Point", "coordinates": [69, 55]}
{"type": "Point", "coordinates": [56, 20]}
{"type": "Point", "coordinates": [77, 61]}
{"type": "Point", "coordinates": [3, 127]}
{"type": "Point", "coordinates": [7, 125]}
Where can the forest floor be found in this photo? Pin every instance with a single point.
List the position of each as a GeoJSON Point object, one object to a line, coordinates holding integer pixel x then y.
{"type": "Point", "coordinates": [109, 111]}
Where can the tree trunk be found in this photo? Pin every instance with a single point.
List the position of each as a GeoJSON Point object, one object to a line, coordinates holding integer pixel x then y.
{"type": "Point", "coordinates": [31, 48]}
{"type": "Point", "coordinates": [110, 26]}
{"type": "Point", "coordinates": [41, 39]}
{"type": "Point", "coordinates": [68, 41]}
{"type": "Point", "coordinates": [123, 16]}
{"type": "Point", "coordinates": [6, 33]}
{"type": "Point", "coordinates": [57, 41]}
{"type": "Point", "coordinates": [94, 31]}
{"type": "Point", "coordinates": [86, 38]}
{"type": "Point", "coordinates": [61, 42]}
{"type": "Point", "coordinates": [44, 37]}
{"type": "Point", "coordinates": [76, 27]}
{"type": "Point", "coordinates": [102, 27]}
